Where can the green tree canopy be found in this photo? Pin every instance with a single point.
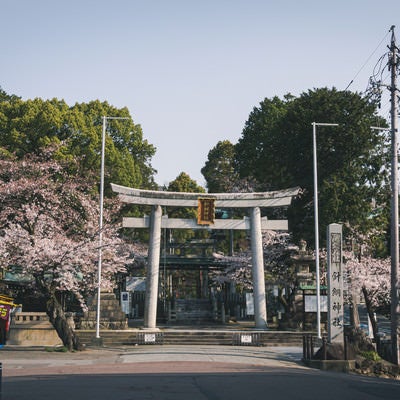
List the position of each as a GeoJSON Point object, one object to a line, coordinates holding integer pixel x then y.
{"type": "Point", "coordinates": [184, 183]}
{"type": "Point", "coordinates": [4, 96]}
{"type": "Point", "coordinates": [28, 126]}
{"type": "Point", "coordinates": [219, 170]}
{"type": "Point", "coordinates": [276, 148]}
{"type": "Point", "coordinates": [254, 150]}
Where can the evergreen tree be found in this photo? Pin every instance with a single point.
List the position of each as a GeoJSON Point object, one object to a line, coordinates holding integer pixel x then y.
{"type": "Point", "coordinates": [353, 174]}
{"type": "Point", "coordinates": [219, 170]}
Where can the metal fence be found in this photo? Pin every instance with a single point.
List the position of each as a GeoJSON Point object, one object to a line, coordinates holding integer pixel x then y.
{"type": "Point", "coordinates": [246, 339]}
{"type": "Point", "coordinates": [150, 338]}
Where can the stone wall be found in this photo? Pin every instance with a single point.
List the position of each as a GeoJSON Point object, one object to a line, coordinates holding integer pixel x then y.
{"type": "Point", "coordinates": [111, 315]}
{"type": "Point", "coordinates": [32, 329]}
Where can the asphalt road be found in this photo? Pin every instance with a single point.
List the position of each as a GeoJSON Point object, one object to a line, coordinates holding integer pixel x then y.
{"type": "Point", "coordinates": [180, 373]}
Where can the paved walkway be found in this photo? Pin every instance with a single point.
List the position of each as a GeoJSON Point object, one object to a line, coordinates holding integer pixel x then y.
{"type": "Point", "coordinates": [179, 373]}
{"type": "Point", "coordinates": [20, 361]}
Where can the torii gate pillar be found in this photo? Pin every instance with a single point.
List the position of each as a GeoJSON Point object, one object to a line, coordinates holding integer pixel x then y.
{"type": "Point", "coordinates": [150, 309]}
{"type": "Point", "coordinates": [260, 306]}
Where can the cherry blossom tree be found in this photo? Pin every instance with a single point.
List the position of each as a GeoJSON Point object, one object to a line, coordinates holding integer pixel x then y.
{"type": "Point", "coordinates": [371, 276]}
{"type": "Point", "coordinates": [49, 228]}
{"type": "Point", "coordinates": [279, 269]}
{"type": "Point", "coordinates": [237, 270]}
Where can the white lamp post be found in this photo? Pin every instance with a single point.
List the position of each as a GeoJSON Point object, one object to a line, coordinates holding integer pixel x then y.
{"type": "Point", "coordinates": [103, 142]}
{"type": "Point", "coordinates": [315, 124]}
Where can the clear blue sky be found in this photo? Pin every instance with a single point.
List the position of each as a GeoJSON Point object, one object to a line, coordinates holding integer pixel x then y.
{"type": "Point", "coordinates": [190, 72]}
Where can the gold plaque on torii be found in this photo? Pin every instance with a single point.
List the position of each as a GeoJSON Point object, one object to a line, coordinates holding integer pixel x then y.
{"type": "Point", "coordinates": [205, 211]}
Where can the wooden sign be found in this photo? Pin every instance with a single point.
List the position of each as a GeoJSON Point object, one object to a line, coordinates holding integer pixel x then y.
{"type": "Point", "coordinates": [205, 211]}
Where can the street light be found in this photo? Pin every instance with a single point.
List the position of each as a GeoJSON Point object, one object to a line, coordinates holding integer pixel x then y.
{"type": "Point", "coordinates": [103, 144]}
{"type": "Point", "coordinates": [315, 124]}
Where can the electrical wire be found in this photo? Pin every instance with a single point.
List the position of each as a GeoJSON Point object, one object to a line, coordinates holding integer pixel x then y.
{"type": "Point", "coordinates": [366, 62]}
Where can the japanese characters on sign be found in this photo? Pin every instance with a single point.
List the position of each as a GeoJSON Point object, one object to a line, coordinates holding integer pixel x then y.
{"type": "Point", "coordinates": [205, 211]}
{"type": "Point", "coordinates": [335, 284]}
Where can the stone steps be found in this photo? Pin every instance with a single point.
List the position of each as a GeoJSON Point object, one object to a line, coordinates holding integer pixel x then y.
{"type": "Point", "coordinates": [193, 337]}
{"type": "Point", "coordinates": [192, 311]}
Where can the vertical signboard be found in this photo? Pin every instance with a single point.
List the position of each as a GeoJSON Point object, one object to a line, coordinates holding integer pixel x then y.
{"type": "Point", "coordinates": [335, 284]}
{"type": "Point", "coordinates": [125, 303]}
{"type": "Point", "coordinates": [249, 304]}
{"type": "Point", "coordinates": [205, 211]}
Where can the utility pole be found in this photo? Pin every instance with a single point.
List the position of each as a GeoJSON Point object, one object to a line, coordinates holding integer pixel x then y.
{"type": "Point", "coordinates": [395, 285]}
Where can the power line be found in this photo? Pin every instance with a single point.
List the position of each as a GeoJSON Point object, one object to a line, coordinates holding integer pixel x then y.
{"type": "Point", "coordinates": [366, 62]}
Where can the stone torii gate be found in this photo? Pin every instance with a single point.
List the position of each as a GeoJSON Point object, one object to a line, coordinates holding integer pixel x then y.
{"type": "Point", "coordinates": [206, 203]}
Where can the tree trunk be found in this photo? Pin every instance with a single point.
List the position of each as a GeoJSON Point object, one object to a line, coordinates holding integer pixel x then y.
{"type": "Point", "coordinates": [370, 313]}
{"type": "Point", "coordinates": [59, 321]}
{"type": "Point", "coordinates": [283, 301]}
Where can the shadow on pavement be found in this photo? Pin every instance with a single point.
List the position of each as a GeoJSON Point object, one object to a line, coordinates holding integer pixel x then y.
{"type": "Point", "coordinates": [271, 383]}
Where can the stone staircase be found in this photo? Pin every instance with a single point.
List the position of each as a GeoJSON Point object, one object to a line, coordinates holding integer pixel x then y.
{"type": "Point", "coordinates": [191, 312]}
{"type": "Point", "coordinates": [192, 322]}
{"type": "Point", "coordinates": [186, 336]}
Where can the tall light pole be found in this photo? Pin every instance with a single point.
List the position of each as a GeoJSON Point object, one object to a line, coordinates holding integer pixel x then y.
{"type": "Point", "coordinates": [317, 278]}
{"type": "Point", "coordinates": [103, 145]}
